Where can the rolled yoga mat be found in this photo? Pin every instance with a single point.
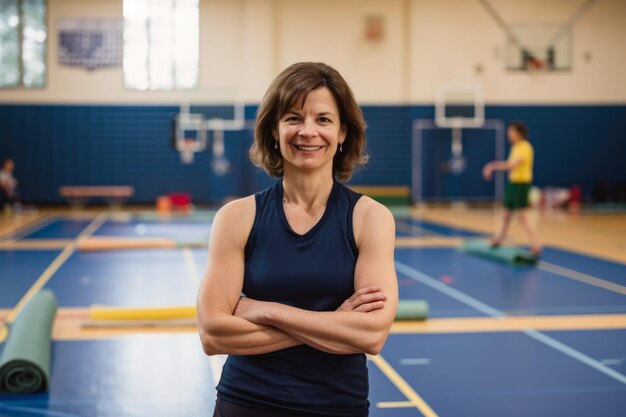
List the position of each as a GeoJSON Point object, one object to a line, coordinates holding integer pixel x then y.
{"type": "Point", "coordinates": [508, 254]}
{"type": "Point", "coordinates": [412, 310]}
{"type": "Point", "coordinates": [25, 360]}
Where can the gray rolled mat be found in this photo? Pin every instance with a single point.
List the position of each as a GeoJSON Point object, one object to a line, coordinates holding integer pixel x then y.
{"type": "Point", "coordinates": [25, 359]}
{"type": "Point", "coordinates": [506, 254]}
{"type": "Point", "coordinates": [412, 310]}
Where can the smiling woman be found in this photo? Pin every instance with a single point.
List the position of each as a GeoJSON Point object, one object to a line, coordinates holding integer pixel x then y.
{"type": "Point", "coordinates": [286, 98]}
{"type": "Point", "coordinates": [313, 258]}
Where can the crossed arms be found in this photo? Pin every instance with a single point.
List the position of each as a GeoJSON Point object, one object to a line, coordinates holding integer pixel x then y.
{"type": "Point", "coordinates": [231, 324]}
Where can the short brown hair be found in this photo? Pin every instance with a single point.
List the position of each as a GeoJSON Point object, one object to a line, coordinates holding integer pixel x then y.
{"type": "Point", "coordinates": [295, 83]}
{"type": "Point", "coordinates": [520, 127]}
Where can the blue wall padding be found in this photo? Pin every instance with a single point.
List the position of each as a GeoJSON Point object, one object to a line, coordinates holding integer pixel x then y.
{"type": "Point", "coordinates": [57, 145]}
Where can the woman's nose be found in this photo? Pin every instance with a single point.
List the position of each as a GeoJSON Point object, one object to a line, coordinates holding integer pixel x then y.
{"type": "Point", "coordinates": [308, 129]}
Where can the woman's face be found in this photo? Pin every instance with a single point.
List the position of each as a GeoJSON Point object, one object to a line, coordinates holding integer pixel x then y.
{"type": "Point", "coordinates": [310, 136]}
{"type": "Point", "coordinates": [513, 135]}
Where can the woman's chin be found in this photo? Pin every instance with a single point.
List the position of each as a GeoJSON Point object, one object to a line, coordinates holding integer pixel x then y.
{"type": "Point", "coordinates": [310, 165]}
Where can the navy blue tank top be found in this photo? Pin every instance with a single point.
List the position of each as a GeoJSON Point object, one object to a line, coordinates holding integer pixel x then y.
{"type": "Point", "coordinates": [314, 271]}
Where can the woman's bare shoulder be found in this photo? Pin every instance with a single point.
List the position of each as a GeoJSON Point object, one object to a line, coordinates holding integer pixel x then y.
{"type": "Point", "coordinates": [372, 216]}
{"type": "Point", "coordinates": [236, 218]}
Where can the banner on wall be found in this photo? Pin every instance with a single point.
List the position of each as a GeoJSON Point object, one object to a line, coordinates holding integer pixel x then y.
{"type": "Point", "coordinates": [90, 43]}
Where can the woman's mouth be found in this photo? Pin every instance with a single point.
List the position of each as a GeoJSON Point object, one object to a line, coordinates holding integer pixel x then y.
{"type": "Point", "coordinates": [307, 148]}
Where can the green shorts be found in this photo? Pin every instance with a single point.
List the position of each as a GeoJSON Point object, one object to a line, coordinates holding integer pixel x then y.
{"type": "Point", "coordinates": [516, 195]}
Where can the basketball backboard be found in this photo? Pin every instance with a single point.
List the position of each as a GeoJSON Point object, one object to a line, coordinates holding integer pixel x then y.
{"type": "Point", "coordinates": [538, 47]}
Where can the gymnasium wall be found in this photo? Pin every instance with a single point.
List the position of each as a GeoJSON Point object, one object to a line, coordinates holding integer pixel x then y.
{"type": "Point", "coordinates": [86, 128]}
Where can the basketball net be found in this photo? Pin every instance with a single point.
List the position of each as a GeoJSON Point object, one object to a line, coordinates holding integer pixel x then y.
{"type": "Point", "coordinates": [187, 150]}
{"type": "Point", "coordinates": [536, 65]}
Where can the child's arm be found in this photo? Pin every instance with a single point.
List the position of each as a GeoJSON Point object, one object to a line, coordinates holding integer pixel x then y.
{"type": "Point", "coordinates": [499, 166]}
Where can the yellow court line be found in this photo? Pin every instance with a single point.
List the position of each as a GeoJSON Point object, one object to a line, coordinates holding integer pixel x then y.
{"type": "Point", "coordinates": [395, 404]}
{"type": "Point", "coordinates": [37, 219]}
{"type": "Point", "coordinates": [511, 324]}
{"type": "Point", "coordinates": [93, 226]}
{"type": "Point", "coordinates": [581, 277]}
{"type": "Point", "coordinates": [425, 242]}
{"type": "Point", "coordinates": [35, 244]}
{"type": "Point", "coordinates": [414, 398]}
{"type": "Point", "coordinates": [48, 273]}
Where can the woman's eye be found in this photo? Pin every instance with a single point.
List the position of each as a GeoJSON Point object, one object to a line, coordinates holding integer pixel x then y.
{"type": "Point", "coordinates": [292, 119]}
{"type": "Point", "coordinates": [325, 120]}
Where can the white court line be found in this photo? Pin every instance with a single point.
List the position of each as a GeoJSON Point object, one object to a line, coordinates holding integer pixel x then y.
{"type": "Point", "coordinates": [581, 277]}
{"type": "Point", "coordinates": [216, 362]}
{"type": "Point", "coordinates": [540, 337]}
{"type": "Point", "coordinates": [190, 264]}
{"type": "Point", "coordinates": [449, 291]}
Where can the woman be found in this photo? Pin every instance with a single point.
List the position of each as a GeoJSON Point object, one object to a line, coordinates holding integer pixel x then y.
{"type": "Point", "coordinates": [314, 260]}
{"type": "Point", "coordinates": [520, 168]}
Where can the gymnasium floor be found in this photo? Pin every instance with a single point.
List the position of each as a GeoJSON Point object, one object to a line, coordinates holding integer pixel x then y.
{"type": "Point", "coordinates": [501, 341]}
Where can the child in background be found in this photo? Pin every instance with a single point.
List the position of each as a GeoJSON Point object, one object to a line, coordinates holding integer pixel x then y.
{"type": "Point", "coordinates": [520, 168]}
{"type": "Point", "coordinates": [9, 193]}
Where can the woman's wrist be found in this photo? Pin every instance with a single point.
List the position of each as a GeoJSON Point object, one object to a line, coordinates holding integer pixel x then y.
{"type": "Point", "coordinates": [271, 313]}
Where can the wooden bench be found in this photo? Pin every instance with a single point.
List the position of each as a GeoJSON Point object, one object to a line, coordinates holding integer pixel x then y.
{"type": "Point", "coordinates": [78, 195]}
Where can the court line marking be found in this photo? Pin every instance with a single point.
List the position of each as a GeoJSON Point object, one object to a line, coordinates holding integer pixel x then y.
{"type": "Point", "coordinates": [48, 273]}
{"type": "Point", "coordinates": [394, 404]}
{"type": "Point", "coordinates": [20, 232]}
{"type": "Point", "coordinates": [545, 339]}
{"type": "Point", "coordinates": [449, 291]}
{"type": "Point", "coordinates": [427, 242]}
{"type": "Point", "coordinates": [415, 400]}
{"type": "Point", "coordinates": [190, 264]}
{"type": "Point", "coordinates": [581, 277]}
{"type": "Point", "coordinates": [511, 324]}
{"type": "Point", "coordinates": [410, 228]}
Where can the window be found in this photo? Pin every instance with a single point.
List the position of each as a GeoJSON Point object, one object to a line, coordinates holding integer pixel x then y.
{"type": "Point", "coordinates": [161, 44]}
{"type": "Point", "coordinates": [23, 35]}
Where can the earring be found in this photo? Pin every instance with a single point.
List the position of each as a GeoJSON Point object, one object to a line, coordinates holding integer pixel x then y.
{"type": "Point", "coordinates": [341, 147]}
{"type": "Point", "coordinates": [276, 144]}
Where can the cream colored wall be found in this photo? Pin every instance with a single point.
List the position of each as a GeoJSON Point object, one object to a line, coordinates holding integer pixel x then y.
{"type": "Point", "coordinates": [245, 43]}
{"type": "Point", "coordinates": [451, 51]}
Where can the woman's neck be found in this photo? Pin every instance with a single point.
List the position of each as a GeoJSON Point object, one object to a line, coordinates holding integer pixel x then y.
{"type": "Point", "coordinates": [307, 190]}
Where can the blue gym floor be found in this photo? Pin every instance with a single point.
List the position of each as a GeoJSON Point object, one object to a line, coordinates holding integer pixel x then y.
{"type": "Point", "coordinates": [452, 373]}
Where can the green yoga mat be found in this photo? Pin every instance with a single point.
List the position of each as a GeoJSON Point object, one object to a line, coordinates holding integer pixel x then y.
{"type": "Point", "coordinates": [412, 310]}
{"type": "Point", "coordinates": [25, 360]}
{"type": "Point", "coordinates": [508, 254]}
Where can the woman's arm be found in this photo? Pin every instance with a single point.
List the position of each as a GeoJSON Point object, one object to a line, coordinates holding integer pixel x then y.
{"type": "Point", "coordinates": [344, 332]}
{"type": "Point", "coordinates": [220, 331]}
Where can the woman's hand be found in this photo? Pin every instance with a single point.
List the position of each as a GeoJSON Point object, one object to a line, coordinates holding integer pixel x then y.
{"type": "Point", "coordinates": [366, 299]}
{"type": "Point", "coordinates": [254, 311]}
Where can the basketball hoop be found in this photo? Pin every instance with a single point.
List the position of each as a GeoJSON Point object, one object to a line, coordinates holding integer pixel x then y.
{"type": "Point", "coordinates": [536, 65]}
{"type": "Point", "coordinates": [187, 148]}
